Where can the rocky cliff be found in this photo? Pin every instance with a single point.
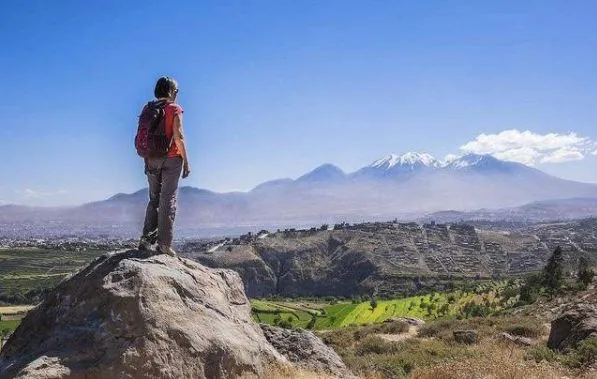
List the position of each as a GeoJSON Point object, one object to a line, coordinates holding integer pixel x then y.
{"type": "Point", "coordinates": [390, 258]}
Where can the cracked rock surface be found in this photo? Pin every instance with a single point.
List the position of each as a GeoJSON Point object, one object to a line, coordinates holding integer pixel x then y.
{"type": "Point", "coordinates": [131, 315]}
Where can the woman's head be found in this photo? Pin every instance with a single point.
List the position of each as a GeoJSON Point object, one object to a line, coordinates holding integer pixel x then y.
{"type": "Point", "coordinates": [166, 87]}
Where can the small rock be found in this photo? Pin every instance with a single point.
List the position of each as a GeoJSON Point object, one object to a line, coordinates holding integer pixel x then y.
{"type": "Point", "coordinates": [523, 341]}
{"type": "Point", "coordinates": [409, 320]}
{"type": "Point", "coordinates": [466, 336]}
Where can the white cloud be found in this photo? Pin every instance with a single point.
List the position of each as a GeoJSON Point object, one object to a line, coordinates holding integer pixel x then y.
{"type": "Point", "coordinates": [29, 193]}
{"type": "Point", "coordinates": [32, 194]}
{"type": "Point", "coordinates": [563, 155]}
{"type": "Point", "coordinates": [531, 148]}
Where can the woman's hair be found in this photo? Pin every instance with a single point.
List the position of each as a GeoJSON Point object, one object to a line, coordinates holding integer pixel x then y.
{"type": "Point", "coordinates": [164, 87]}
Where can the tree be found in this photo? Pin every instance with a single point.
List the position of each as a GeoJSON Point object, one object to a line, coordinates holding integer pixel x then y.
{"type": "Point", "coordinates": [373, 302]}
{"type": "Point", "coordinates": [529, 291]}
{"type": "Point", "coordinates": [444, 309]}
{"type": "Point", "coordinates": [286, 324]}
{"type": "Point", "coordinates": [430, 308]}
{"type": "Point", "coordinates": [585, 274]}
{"type": "Point", "coordinates": [553, 273]}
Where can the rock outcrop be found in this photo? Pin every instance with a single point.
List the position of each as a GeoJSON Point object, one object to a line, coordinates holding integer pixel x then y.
{"type": "Point", "coordinates": [305, 350]}
{"type": "Point", "coordinates": [129, 315]}
{"type": "Point", "coordinates": [576, 322]}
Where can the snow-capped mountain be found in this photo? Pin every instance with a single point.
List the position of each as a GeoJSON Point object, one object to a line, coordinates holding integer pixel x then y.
{"type": "Point", "coordinates": [413, 160]}
{"type": "Point", "coordinates": [486, 163]}
{"type": "Point", "coordinates": [397, 167]}
{"type": "Point", "coordinates": [409, 159]}
{"type": "Point", "coordinates": [409, 165]}
{"type": "Point", "coordinates": [395, 185]}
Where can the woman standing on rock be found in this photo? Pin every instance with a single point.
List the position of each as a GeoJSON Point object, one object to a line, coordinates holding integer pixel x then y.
{"type": "Point", "coordinates": [160, 142]}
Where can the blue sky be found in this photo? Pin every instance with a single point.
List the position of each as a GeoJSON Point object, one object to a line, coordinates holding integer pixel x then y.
{"type": "Point", "coordinates": [275, 88]}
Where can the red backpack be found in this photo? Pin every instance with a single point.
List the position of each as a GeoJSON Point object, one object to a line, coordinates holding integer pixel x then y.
{"type": "Point", "coordinates": [151, 140]}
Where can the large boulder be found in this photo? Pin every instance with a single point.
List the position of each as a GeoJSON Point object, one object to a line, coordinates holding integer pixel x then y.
{"type": "Point", "coordinates": [306, 350]}
{"type": "Point", "coordinates": [576, 322]}
{"type": "Point", "coordinates": [130, 315]}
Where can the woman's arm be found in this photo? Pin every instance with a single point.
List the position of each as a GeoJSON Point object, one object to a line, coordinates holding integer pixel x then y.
{"type": "Point", "coordinates": [180, 145]}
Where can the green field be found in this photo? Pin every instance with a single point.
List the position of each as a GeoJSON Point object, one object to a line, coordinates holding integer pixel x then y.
{"type": "Point", "coordinates": [345, 313]}
{"type": "Point", "coordinates": [26, 271]}
{"type": "Point", "coordinates": [9, 324]}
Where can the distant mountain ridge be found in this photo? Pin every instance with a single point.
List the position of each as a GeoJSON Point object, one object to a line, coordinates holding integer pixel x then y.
{"type": "Point", "coordinates": [395, 166]}
{"type": "Point", "coordinates": [405, 186]}
{"type": "Point", "coordinates": [556, 209]}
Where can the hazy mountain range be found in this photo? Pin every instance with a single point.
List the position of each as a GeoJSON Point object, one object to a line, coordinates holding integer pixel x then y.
{"type": "Point", "coordinates": [403, 186]}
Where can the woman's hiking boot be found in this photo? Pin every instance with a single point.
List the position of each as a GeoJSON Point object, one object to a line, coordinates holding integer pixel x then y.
{"type": "Point", "coordinates": [167, 250]}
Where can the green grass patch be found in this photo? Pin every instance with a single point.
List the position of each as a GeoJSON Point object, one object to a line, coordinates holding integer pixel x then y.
{"type": "Point", "coordinates": [26, 272]}
{"type": "Point", "coordinates": [462, 304]}
{"type": "Point", "coordinates": [9, 325]}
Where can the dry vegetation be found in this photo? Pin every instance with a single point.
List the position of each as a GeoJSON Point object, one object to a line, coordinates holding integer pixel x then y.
{"type": "Point", "coordinates": [434, 354]}
{"type": "Point", "coordinates": [15, 309]}
{"type": "Point", "coordinates": [288, 372]}
{"type": "Point", "coordinates": [493, 360]}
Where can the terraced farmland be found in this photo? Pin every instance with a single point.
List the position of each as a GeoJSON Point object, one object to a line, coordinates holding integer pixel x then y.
{"type": "Point", "coordinates": [345, 313]}
{"type": "Point", "coordinates": [23, 270]}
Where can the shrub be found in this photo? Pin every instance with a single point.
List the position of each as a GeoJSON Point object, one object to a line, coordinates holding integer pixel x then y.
{"type": "Point", "coordinates": [475, 310]}
{"type": "Point", "coordinates": [5, 332]}
{"type": "Point", "coordinates": [283, 323]}
{"type": "Point", "coordinates": [530, 289]}
{"type": "Point", "coordinates": [356, 300]}
{"type": "Point", "coordinates": [311, 323]}
{"type": "Point", "coordinates": [584, 355]}
{"type": "Point", "coordinates": [339, 339]}
{"type": "Point", "coordinates": [585, 274]}
{"type": "Point", "coordinates": [373, 303]}
{"type": "Point", "coordinates": [378, 366]}
{"type": "Point", "coordinates": [394, 327]}
{"type": "Point", "coordinates": [375, 345]}
{"type": "Point", "coordinates": [541, 353]}
{"type": "Point", "coordinates": [525, 330]}
{"type": "Point", "coordinates": [509, 292]}
{"type": "Point", "coordinates": [440, 329]}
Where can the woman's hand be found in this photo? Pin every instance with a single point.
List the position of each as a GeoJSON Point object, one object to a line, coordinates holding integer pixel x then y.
{"type": "Point", "coordinates": [186, 170]}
